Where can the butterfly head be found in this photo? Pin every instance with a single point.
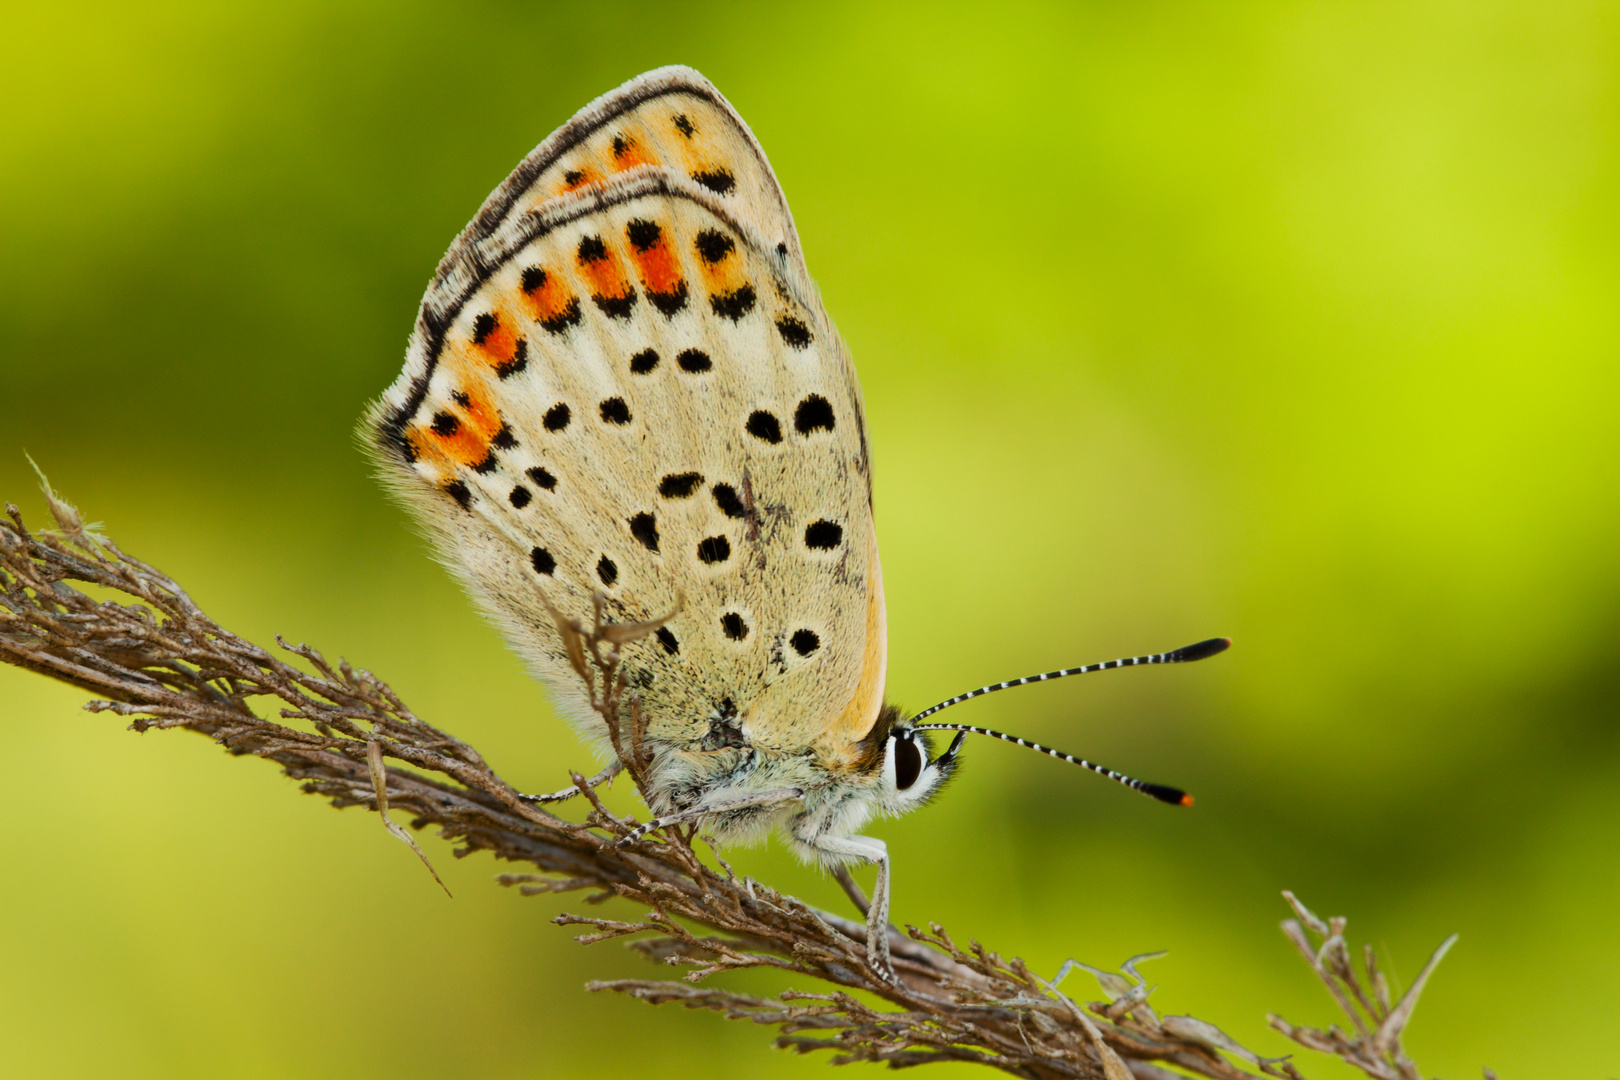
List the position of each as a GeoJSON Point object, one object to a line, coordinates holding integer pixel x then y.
{"type": "Point", "coordinates": [904, 771]}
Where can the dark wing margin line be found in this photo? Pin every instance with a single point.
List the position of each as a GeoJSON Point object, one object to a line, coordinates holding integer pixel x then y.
{"type": "Point", "coordinates": [655, 84]}
{"type": "Point", "coordinates": [660, 82]}
{"type": "Point", "coordinates": [430, 328]}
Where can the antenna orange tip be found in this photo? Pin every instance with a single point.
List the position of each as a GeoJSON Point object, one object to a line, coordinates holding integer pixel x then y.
{"type": "Point", "coordinates": [1186, 800]}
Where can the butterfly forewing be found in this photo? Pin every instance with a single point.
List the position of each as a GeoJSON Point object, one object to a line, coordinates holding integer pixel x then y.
{"type": "Point", "coordinates": [671, 119]}
{"type": "Point", "coordinates": [639, 397]}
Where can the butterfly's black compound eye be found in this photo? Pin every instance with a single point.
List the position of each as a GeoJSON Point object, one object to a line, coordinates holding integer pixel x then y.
{"type": "Point", "coordinates": [908, 762]}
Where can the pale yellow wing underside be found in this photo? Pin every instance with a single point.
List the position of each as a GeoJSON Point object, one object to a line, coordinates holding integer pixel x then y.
{"type": "Point", "coordinates": [622, 382]}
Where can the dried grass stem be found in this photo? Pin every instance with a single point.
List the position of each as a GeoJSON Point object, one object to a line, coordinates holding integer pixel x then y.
{"type": "Point", "coordinates": [153, 656]}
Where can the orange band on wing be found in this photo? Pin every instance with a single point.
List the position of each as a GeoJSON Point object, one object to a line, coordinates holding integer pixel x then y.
{"type": "Point", "coordinates": [549, 300]}
{"type": "Point", "coordinates": [461, 430]}
{"type": "Point", "coordinates": [500, 344]}
{"type": "Point", "coordinates": [659, 269]}
{"type": "Point", "coordinates": [605, 275]}
{"type": "Point", "coordinates": [628, 152]}
{"type": "Point", "coordinates": [574, 179]}
{"type": "Point", "coordinates": [837, 745]}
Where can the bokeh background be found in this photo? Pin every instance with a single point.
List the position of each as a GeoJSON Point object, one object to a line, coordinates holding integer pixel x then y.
{"type": "Point", "coordinates": [1296, 323]}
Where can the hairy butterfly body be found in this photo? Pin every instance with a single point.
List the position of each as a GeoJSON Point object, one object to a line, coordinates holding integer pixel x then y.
{"type": "Point", "coordinates": [623, 389]}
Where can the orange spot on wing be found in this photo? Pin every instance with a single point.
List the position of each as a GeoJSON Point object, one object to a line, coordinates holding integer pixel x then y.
{"type": "Point", "coordinates": [606, 276]}
{"type": "Point", "coordinates": [476, 422]}
{"type": "Point", "coordinates": [659, 269]}
{"type": "Point", "coordinates": [546, 296]}
{"type": "Point", "coordinates": [500, 344]}
{"type": "Point", "coordinates": [634, 153]}
{"type": "Point", "coordinates": [425, 444]}
{"type": "Point", "coordinates": [574, 179]}
{"type": "Point", "coordinates": [725, 275]}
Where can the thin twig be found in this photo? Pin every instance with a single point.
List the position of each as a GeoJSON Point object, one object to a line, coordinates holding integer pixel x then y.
{"type": "Point", "coordinates": [159, 660]}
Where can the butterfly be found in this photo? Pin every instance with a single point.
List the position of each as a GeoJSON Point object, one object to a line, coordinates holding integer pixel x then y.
{"type": "Point", "coordinates": [623, 395]}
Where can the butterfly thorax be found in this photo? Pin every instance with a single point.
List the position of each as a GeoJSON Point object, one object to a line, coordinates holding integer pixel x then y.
{"type": "Point", "coordinates": [839, 795]}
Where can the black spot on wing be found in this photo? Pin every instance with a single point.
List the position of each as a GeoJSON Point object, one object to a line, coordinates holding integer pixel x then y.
{"type": "Point", "coordinates": [616, 307]}
{"type": "Point", "coordinates": [713, 245]}
{"type": "Point", "coordinates": [668, 303]}
{"type": "Point", "coordinates": [815, 413]}
{"type": "Point", "coordinates": [719, 181]}
{"type": "Point", "coordinates": [823, 535]}
{"type": "Point", "coordinates": [726, 498]}
{"type": "Point", "coordinates": [714, 549]}
{"type": "Point", "coordinates": [642, 233]}
{"type": "Point", "coordinates": [793, 331]}
{"type": "Point", "coordinates": [679, 485]}
{"type": "Point", "coordinates": [518, 361]}
{"type": "Point", "coordinates": [735, 304]}
{"type": "Point", "coordinates": [568, 316]}
{"type": "Point", "coordinates": [764, 427]}
{"type": "Point", "coordinates": [644, 527]}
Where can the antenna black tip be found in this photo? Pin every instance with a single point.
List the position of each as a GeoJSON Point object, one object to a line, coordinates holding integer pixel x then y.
{"type": "Point", "coordinates": [1201, 651]}
{"type": "Point", "coordinates": [1173, 796]}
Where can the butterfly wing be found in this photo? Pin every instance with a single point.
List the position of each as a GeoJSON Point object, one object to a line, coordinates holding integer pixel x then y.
{"type": "Point", "coordinates": [671, 119]}
{"type": "Point", "coordinates": [626, 386]}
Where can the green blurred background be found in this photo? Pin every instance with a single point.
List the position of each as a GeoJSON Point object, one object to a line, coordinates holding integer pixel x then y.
{"type": "Point", "coordinates": [1296, 323]}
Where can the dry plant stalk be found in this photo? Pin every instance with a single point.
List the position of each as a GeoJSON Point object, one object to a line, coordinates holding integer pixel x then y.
{"type": "Point", "coordinates": [1375, 1048]}
{"type": "Point", "coordinates": [161, 661]}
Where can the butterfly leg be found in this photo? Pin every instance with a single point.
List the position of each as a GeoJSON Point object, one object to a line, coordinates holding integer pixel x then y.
{"type": "Point", "coordinates": [840, 874]}
{"type": "Point", "coordinates": [570, 792]}
{"type": "Point", "coordinates": [846, 849]}
{"type": "Point", "coordinates": [714, 806]}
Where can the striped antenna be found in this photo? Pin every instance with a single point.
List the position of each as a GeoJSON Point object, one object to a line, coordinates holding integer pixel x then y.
{"type": "Point", "coordinates": [1184, 655]}
{"type": "Point", "coordinates": [1162, 792]}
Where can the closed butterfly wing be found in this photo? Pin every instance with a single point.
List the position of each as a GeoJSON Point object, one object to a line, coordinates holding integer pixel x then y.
{"type": "Point", "coordinates": [625, 385]}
